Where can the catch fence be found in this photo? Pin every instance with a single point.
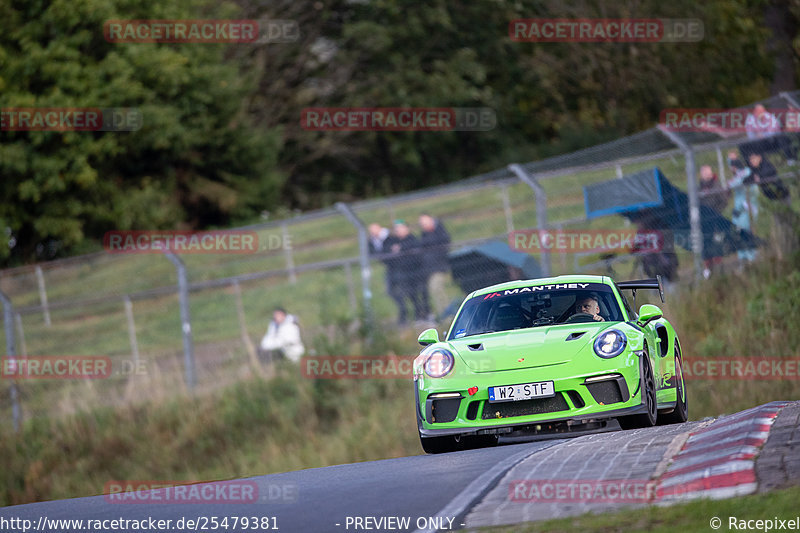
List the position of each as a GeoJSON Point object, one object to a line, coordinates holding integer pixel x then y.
{"type": "Point", "coordinates": [192, 322]}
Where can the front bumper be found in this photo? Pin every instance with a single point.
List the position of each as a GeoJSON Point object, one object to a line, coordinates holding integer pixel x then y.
{"type": "Point", "coordinates": [528, 426]}
{"type": "Point", "coordinates": [578, 400]}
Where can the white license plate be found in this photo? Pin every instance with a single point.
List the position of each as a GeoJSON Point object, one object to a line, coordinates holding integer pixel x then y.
{"type": "Point", "coordinates": [523, 391]}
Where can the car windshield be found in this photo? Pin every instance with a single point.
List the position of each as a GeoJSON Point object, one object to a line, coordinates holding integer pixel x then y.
{"type": "Point", "coordinates": [535, 306]}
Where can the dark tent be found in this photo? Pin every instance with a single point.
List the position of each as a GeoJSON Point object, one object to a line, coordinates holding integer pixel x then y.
{"type": "Point", "coordinates": [494, 262]}
{"type": "Point", "coordinates": [649, 200]}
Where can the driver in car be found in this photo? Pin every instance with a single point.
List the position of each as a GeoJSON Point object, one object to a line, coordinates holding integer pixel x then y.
{"type": "Point", "coordinates": [590, 306]}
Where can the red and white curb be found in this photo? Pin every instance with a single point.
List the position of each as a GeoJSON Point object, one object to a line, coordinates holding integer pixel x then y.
{"type": "Point", "coordinates": [718, 461]}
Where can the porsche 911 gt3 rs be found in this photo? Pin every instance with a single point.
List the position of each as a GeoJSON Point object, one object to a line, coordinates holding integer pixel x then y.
{"type": "Point", "coordinates": [558, 354]}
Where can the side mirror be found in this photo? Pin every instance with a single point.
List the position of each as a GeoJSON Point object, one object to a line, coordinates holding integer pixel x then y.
{"type": "Point", "coordinates": [429, 336]}
{"type": "Point", "coordinates": [648, 313]}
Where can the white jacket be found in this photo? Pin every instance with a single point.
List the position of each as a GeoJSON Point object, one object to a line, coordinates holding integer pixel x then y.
{"type": "Point", "coordinates": [284, 337]}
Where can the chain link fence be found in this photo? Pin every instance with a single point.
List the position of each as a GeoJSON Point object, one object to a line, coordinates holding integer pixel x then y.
{"type": "Point", "coordinates": [162, 337]}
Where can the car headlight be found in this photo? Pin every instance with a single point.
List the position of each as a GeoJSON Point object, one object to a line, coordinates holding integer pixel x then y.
{"type": "Point", "coordinates": [439, 363]}
{"type": "Point", "coordinates": [610, 343]}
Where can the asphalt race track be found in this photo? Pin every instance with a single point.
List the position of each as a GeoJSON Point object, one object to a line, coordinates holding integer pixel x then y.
{"type": "Point", "coordinates": [741, 453]}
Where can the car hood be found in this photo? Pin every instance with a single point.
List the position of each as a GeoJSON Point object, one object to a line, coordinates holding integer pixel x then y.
{"type": "Point", "coordinates": [527, 348]}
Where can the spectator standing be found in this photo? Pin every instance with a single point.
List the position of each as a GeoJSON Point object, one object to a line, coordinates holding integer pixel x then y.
{"type": "Point", "coordinates": [662, 260]}
{"type": "Point", "coordinates": [751, 196]}
{"type": "Point", "coordinates": [766, 177]}
{"type": "Point", "coordinates": [403, 268]}
{"type": "Point", "coordinates": [435, 241]}
{"type": "Point", "coordinates": [282, 339]}
{"type": "Point", "coordinates": [742, 200]}
{"type": "Point", "coordinates": [716, 197]}
{"type": "Point", "coordinates": [377, 236]}
{"type": "Point", "coordinates": [712, 193]}
{"type": "Point", "coordinates": [772, 187]}
{"type": "Point", "coordinates": [763, 125]}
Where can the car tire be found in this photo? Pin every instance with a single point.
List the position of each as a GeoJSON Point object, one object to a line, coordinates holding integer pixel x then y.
{"type": "Point", "coordinates": [681, 412]}
{"type": "Point", "coordinates": [445, 444]}
{"type": "Point", "coordinates": [648, 388]}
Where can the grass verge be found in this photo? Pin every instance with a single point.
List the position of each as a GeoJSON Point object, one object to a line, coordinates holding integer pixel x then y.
{"type": "Point", "coordinates": [257, 427]}
{"type": "Point", "coordinates": [251, 428]}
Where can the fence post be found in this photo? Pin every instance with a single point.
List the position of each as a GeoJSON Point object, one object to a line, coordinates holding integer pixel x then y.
{"type": "Point", "coordinates": [351, 292]}
{"type": "Point", "coordinates": [252, 352]}
{"type": "Point", "coordinates": [363, 252]}
{"type": "Point", "coordinates": [23, 348]}
{"type": "Point", "coordinates": [721, 166]}
{"type": "Point", "coordinates": [695, 225]}
{"type": "Point", "coordinates": [131, 330]}
{"type": "Point", "coordinates": [11, 352]}
{"type": "Point", "coordinates": [559, 228]}
{"type": "Point", "coordinates": [43, 295]}
{"type": "Point", "coordinates": [186, 321]}
{"type": "Point", "coordinates": [287, 250]}
{"type": "Point", "coordinates": [541, 208]}
{"type": "Point", "coordinates": [507, 209]}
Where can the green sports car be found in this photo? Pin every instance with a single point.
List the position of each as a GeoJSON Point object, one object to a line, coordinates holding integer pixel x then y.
{"type": "Point", "coordinates": [552, 355]}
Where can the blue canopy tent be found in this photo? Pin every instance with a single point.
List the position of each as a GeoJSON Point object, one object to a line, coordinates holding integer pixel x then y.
{"type": "Point", "coordinates": [493, 262]}
{"type": "Point", "coordinates": [650, 201]}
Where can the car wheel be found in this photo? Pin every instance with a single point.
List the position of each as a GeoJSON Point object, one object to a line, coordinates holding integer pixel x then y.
{"type": "Point", "coordinates": [681, 412]}
{"type": "Point", "coordinates": [445, 444]}
{"type": "Point", "coordinates": [648, 387]}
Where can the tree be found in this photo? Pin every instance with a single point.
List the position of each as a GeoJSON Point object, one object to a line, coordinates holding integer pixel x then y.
{"type": "Point", "coordinates": [549, 97]}
{"type": "Point", "coordinates": [197, 160]}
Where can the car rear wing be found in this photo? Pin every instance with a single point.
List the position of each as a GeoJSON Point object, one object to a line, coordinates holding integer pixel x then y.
{"type": "Point", "coordinates": [652, 283]}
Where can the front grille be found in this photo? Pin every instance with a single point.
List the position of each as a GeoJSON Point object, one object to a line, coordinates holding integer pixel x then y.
{"type": "Point", "coordinates": [445, 410]}
{"type": "Point", "coordinates": [605, 392]}
{"type": "Point", "coordinates": [536, 406]}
